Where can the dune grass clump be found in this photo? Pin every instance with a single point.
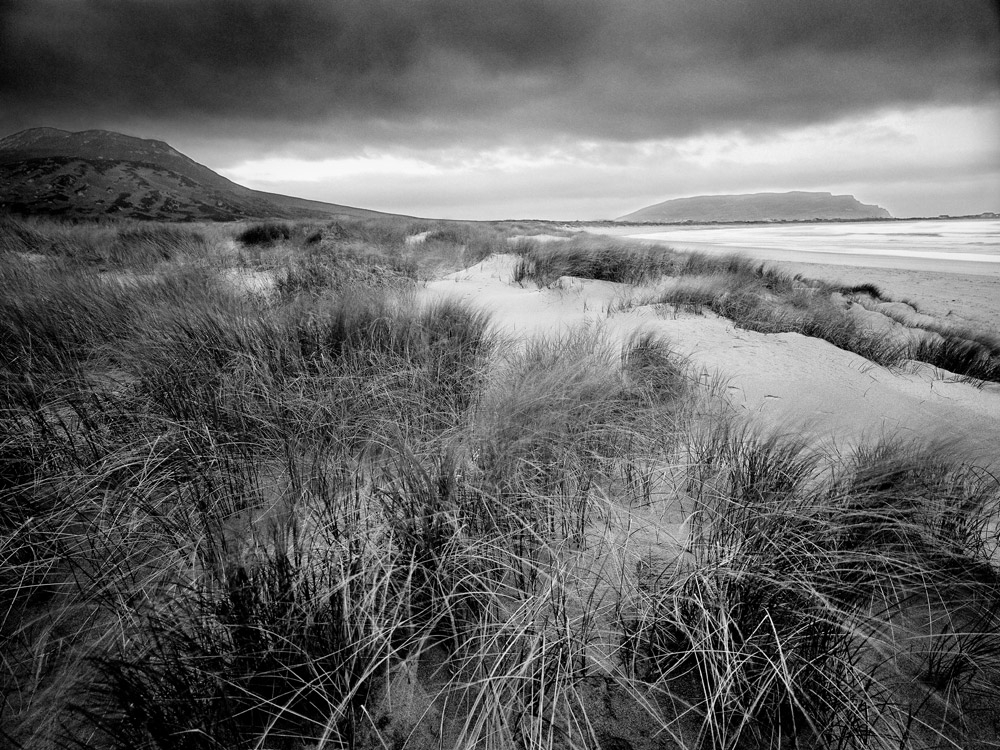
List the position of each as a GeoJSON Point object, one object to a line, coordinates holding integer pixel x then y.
{"type": "Point", "coordinates": [962, 356]}
{"type": "Point", "coordinates": [773, 303]}
{"type": "Point", "coordinates": [597, 259]}
{"type": "Point", "coordinates": [241, 534]}
{"type": "Point", "coordinates": [630, 263]}
{"type": "Point", "coordinates": [222, 413]}
{"type": "Point", "coordinates": [869, 289]}
{"type": "Point", "coordinates": [83, 243]}
{"type": "Point", "coordinates": [150, 244]}
{"type": "Point", "coordinates": [759, 298]}
{"type": "Point", "coordinates": [322, 269]}
{"type": "Point", "coordinates": [285, 646]}
{"type": "Point", "coordinates": [265, 233]}
{"type": "Point", "coordinates": [477, 240]}
{"type": "Point", "coordinates": [109, 246]}
{"type": "Point", "coordinates": [20, 236]}
{"type": "Point", "coordinates": [357, 367]}
{"type": "Point", "coordinates": [756, 309]}
{"type": "Point", "coordinates": [382, 234]}
{"type": "Point", "coordinates": [568, 417]}
{"type": "Point", "coordinates": [969, 353]}
{"type": "Point", "coordinates": [384, 252]}
{"type": "Point", "coordinates": [964, 353]}
{"type": "Point", "coordinates": [811, 603]}
{"type": "Point", "coordinates": [57, 318]}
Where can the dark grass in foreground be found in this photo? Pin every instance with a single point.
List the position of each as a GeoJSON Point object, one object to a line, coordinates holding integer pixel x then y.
{"type": "Point", "coordinates": [334, 517]}
{"type": "Point", "coordinates": [764, 299]}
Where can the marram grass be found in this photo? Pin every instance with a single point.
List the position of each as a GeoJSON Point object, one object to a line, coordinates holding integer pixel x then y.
{"type": "Point", "coordinates": [342, 518]}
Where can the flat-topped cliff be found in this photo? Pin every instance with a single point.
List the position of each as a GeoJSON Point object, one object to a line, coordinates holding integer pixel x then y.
{"type": "Point", "coordinates": [793, 206]}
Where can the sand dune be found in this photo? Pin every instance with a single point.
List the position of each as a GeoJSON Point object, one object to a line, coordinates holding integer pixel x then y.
{"type": "Point", "coordinates": [790, 383]}
{"type": "Point", "coordinates": [964, 291]}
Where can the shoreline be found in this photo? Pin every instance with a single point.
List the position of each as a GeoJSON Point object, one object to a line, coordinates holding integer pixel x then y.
{"type": "Point", "coordinates": [962, 291]}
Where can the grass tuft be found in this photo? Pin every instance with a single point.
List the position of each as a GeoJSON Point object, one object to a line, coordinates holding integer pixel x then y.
{"type": "Point", "coordinates": [267, 233]}
{"type": "Point", "coordinates": [867, 288]}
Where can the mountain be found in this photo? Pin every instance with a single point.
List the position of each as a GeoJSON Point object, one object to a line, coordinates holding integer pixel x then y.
{"type": "Point", "coordinates": [45, 171]}
{"type": "Point", "coordinates": [793, 206]}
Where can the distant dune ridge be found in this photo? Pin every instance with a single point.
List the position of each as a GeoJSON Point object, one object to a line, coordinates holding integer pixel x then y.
{"type": "Point", "coordinates": [792, 206]}
{"type": "Point", "coordinates": [46, 171]}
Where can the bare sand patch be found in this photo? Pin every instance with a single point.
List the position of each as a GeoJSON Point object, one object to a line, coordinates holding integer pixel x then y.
{"type": "Point", "coordinates": [787, 382]}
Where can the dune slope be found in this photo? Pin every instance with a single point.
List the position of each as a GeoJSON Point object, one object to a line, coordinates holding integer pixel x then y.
{"type": "Point", "coordinates": [791, 383]}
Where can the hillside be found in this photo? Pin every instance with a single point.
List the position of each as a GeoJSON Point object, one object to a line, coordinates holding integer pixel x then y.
{"type": "Point", "coordinates": [45, 171]}
{"type": "Point", "coordinates": [793, 206]}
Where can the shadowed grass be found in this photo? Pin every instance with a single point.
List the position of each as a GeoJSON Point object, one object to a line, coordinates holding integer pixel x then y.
{"type": "Point", "coordinates": [267, 233]}
{"type": "Point", "coordinates": [800, 584]}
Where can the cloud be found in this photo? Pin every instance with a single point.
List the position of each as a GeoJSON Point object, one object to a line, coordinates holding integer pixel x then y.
{"type": "Point", "coordinates": [573, 108]}
{"type": "Point", "coordinates": [431, 72]}
{"type": "Point", "coordinates": [870, 157]}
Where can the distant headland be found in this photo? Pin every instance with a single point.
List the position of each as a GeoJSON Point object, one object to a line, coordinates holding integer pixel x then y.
{"type": "Point", "coordinates": [792, 206]}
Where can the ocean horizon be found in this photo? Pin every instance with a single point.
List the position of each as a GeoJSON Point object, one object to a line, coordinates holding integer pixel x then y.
{"type": "Point", "coordinates": [960, 240]}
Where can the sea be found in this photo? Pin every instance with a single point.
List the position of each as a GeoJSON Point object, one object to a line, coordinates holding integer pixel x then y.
{"type": "Point", "coordinates": [959, 241]}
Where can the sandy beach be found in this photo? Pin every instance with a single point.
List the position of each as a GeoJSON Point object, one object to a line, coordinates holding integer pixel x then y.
{"type": "Point", "coordinates": [972, 298]}
{"type": "Point", "coordinates": [963, 291]}
{"type": "Point", "coordinates": [787, 383]}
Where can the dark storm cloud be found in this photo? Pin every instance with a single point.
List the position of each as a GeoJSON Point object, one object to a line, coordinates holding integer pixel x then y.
{"type": "Point", "coordinates": [415, 68]}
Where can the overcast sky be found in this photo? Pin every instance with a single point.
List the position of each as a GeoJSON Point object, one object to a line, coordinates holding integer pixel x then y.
{"type": "Point", "coordinates": [563, 109]}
